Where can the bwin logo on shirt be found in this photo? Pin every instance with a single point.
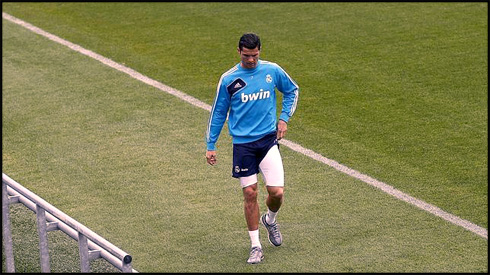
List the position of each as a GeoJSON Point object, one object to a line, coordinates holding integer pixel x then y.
{"type": "Point", "coordinates": [255, 96]}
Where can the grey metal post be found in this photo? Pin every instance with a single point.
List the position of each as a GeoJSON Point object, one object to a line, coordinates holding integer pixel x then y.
{"type": "Point", "coordinates": [59, 220]}
{"type": "Point", "coordinates": [83, 251]}
{"type": "Point", "coordinates": [7, 235]}
{"type": "Point", "coordinates": [126, 264]}
{"type": "Point", "coordinates": [43, 239]}
{"type": "Point", "coordinates": [72, 233]}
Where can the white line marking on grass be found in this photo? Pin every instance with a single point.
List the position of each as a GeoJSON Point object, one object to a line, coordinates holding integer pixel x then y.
{"type": "Point", "coordinates": [389, 189]}
{"type": "Point", "coordinates": [483, 232]}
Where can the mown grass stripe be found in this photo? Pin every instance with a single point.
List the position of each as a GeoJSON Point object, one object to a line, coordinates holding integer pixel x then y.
{"type": "Point", "coordinates": [294, 146]}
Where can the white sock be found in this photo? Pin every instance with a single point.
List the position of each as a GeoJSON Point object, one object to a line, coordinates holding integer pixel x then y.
{"type": "Point", "coordinates": [271, 216]}
{"type": "Point", "coordinates": [254, 238]}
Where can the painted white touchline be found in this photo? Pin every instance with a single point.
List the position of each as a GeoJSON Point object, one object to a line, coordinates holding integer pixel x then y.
{"type": "Point", "coordinates": [483, 232]}
{"type": "Point", "coordinates": [389, 189]}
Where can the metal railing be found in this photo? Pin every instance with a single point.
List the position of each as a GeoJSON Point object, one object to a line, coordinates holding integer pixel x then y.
{"type": "Point", "coordinates": [90, 245]}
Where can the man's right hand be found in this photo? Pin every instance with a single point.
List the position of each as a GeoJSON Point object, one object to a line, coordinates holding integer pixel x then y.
{"type": "Point", "coordinates": [211, 157]}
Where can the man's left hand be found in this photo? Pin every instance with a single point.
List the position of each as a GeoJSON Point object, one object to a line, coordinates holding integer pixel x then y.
{"type": "Point", "coordinates": [282, 128]}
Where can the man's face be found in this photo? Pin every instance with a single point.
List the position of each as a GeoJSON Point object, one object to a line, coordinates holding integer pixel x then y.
{"type": "Point", "coordinates": [249, 57]}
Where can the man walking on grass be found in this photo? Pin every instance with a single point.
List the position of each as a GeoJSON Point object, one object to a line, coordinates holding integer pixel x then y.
{"type": "Point", "coordinates": [246, 94]}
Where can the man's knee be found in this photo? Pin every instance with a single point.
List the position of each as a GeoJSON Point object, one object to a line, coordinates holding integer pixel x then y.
{"type": "Point", "coordinates": [276, 192]}
{"type": "Point", "coordinates": [250, 193]}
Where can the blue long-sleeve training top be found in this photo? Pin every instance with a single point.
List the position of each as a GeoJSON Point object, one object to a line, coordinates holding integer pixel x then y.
{"type": "Point", "coordinates": [249, 95]}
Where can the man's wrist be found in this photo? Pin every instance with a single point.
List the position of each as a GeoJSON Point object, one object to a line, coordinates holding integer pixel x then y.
{"type": "Point", "coordinates": [284, 117]}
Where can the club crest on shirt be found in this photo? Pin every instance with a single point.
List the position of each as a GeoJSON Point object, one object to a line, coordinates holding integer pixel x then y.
{"type": "Point", "coordinates": [268, 78]}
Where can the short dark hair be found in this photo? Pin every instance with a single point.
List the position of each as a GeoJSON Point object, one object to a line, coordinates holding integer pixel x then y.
{"type": "Point", "coordinates": [249, 41]}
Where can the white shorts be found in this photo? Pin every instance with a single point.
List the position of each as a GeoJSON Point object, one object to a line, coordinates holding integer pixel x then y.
{"type": "Point", "coordinates": [271, 169]}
